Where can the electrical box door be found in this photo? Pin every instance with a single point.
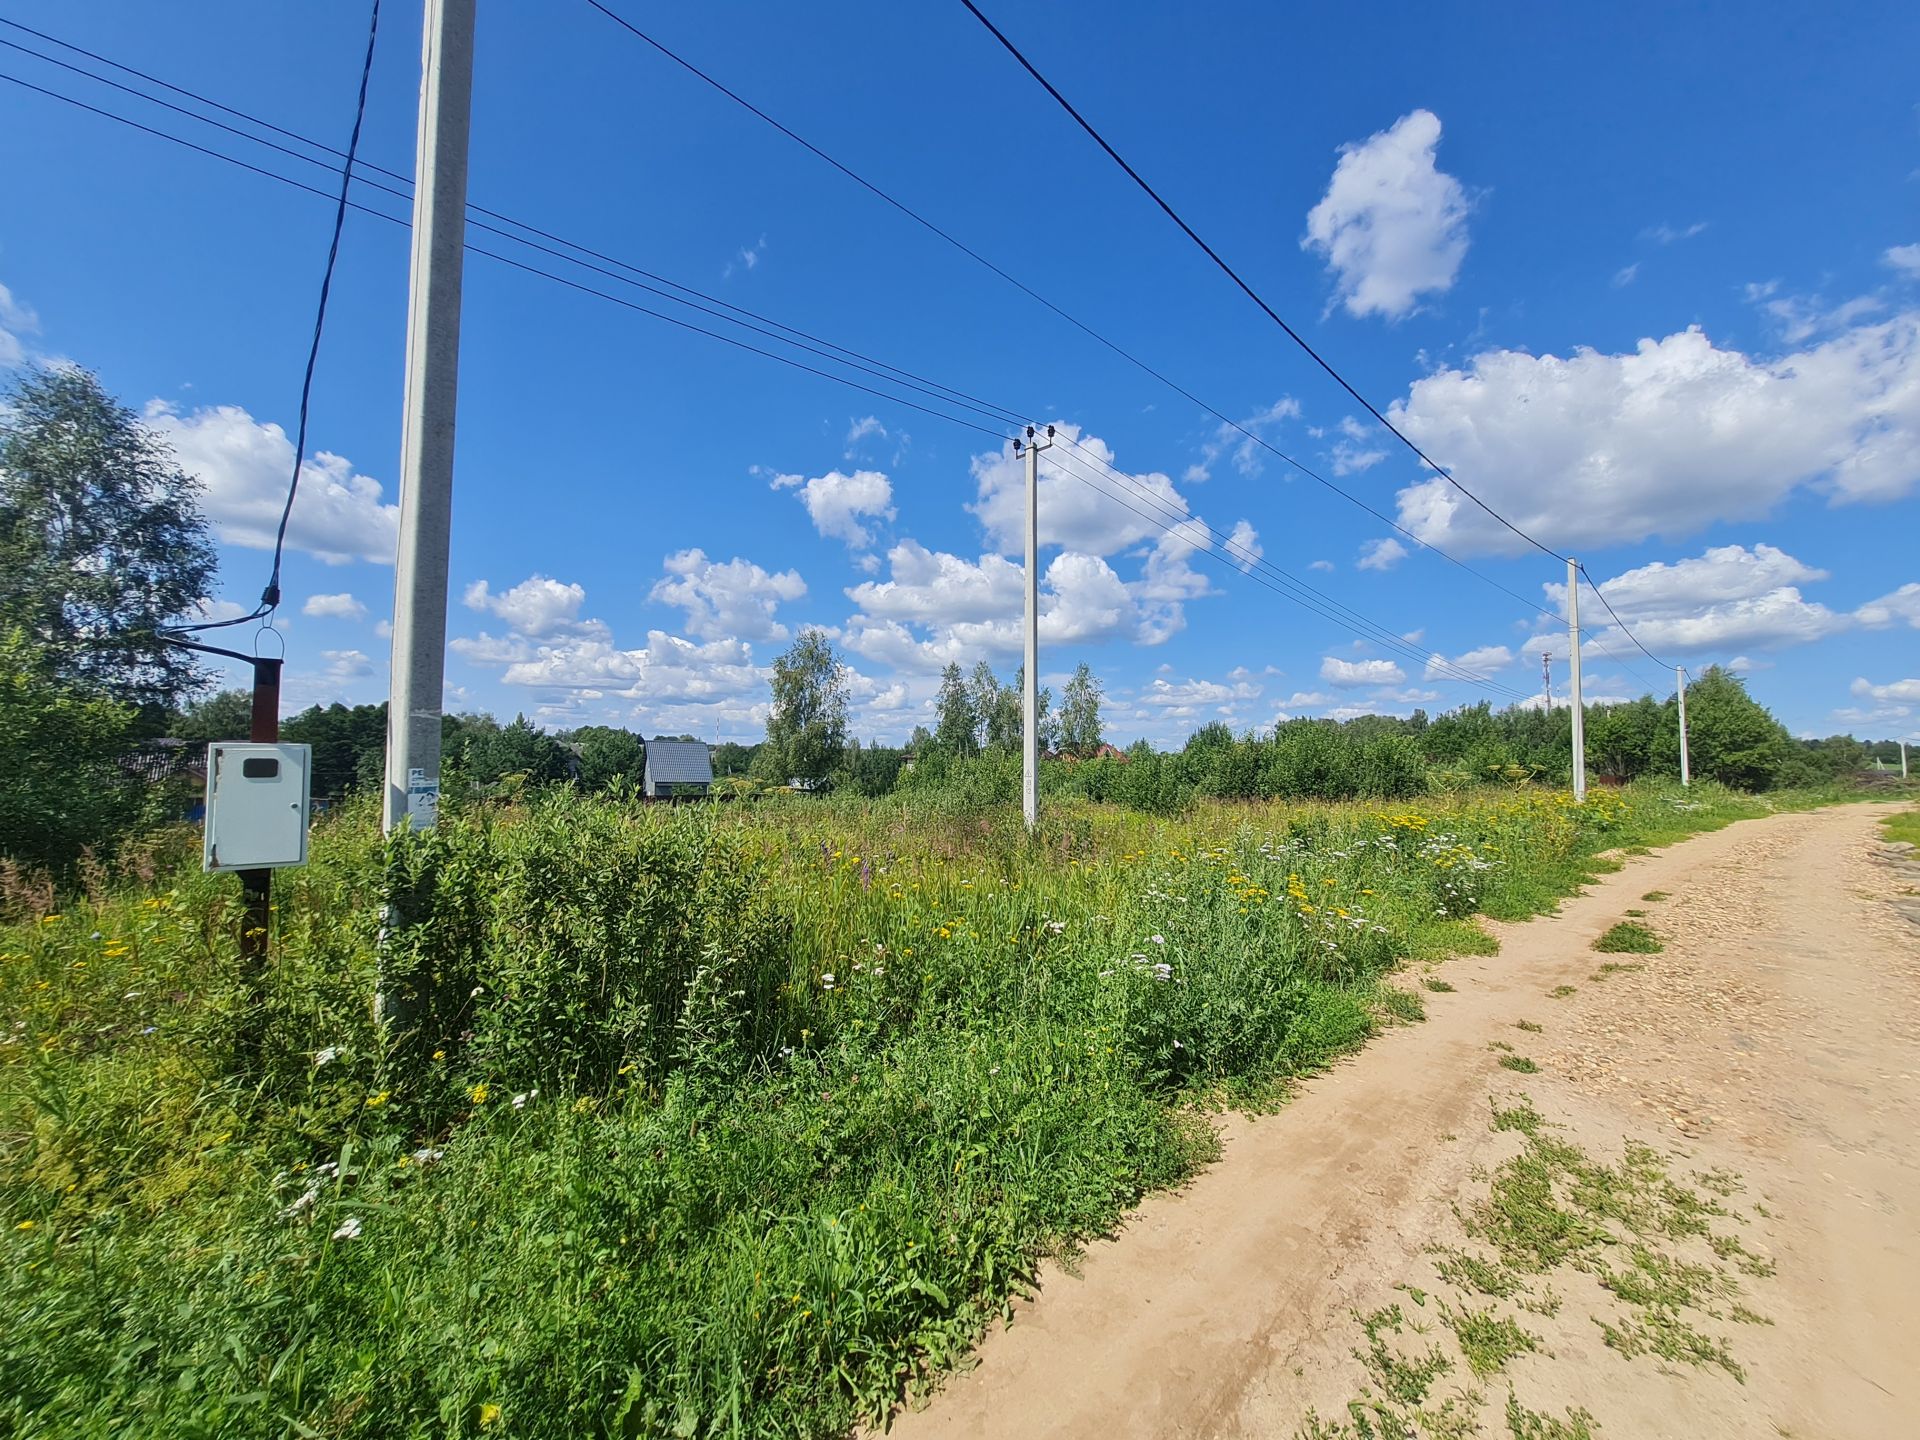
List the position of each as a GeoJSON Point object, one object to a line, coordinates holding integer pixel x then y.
{"type": "Point", "coordinates": [258, 798]}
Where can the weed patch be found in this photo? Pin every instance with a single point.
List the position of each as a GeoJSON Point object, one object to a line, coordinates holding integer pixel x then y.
{"type": "Point", "coordinates": [1486, 1339]}
{"type": "Point", "coordinates": [1560, 992]}
{"type": "Point", "coordinates": [1654, 896]}
{"type": "Point", "coordinates": [1519, 1064]}
{"type": "Point", "coordinates": [1438, 985]}
{"type": "Point", "coordinates": [1629, 937]}
{"type": "Point", "coordinates": [1525, 1424]}
{"type": "Point", "coordinates": [1528, 1026]}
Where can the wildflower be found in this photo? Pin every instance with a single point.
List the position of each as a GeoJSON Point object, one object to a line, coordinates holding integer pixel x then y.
{"type": "Point", "coordinates": [26, 1225]}
{"type": "Point", "coordinates": [1056, 926]}
{"type": "Point", "coordinates": [489, 1414]}
{"type": "Point", "coordinates": [1163, 971]}
{"type": "Point", "coordinates": [374, 1102]}
{"type": "Point", "coordinates": [520, 1100]}
{"type": "Point", "coordinates": [326, 1056]}
{"type": "Point", "coordinates": [1157, 939]}
{"type": "Point", "coordinates": [349, 1229]}
{"type": "Point", "coordinates": [427, 1155]}
{"type": "Point", "coordinates": [826, 980]}
{"type": "Point", "coordinates": [478, 1094]}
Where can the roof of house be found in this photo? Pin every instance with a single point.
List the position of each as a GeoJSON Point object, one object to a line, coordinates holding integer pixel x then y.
{"type": "Point", "coordinates": [679, 762]}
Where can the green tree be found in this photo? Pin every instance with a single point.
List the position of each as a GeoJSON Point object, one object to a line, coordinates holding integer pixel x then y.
{"type": "Point", "coordinates": [223, 715]}
{"type": "Point", "coordinates": [61, 786]}
{"type": "Point", "coordinates": [1733, 738]}
{"type": "Point", "coordinates": [608, 753]}
{"type": "Point", "coordinates": [1080, 714]}
{"type": "Point", "coordinates": [807, 727]}
{"type": "Point", "coordinates": [521, 749]}
{"type": "Point", "coordinates": [956, 722]}
{"type": "Point", "coordinates": [101, 539]}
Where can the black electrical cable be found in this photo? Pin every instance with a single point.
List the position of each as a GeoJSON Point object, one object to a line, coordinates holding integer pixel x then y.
{"type": "Point", "coordinates": [1249, 563]}
{"type": "Point", "coordinates": [1594, 585]}
{"type": "Point", "coordinates": [1247, 289]}
{"type": "Point", "coordinates": [1034, 295]}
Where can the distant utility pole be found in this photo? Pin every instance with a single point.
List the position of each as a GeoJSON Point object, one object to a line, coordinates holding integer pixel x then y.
{"type": "Point", "coordinates": [1030, 681]}
{"type": "Point", "coordinates": [1903, 759]}
{"type": "Point", "coordinates": [1546, 677]}
{"type": "Point", "coordinates": [1686, 763]}
{"type": "Point", "coordinates": [1573, 667]}
{"type": "Point", "coordinates": [426, 437]}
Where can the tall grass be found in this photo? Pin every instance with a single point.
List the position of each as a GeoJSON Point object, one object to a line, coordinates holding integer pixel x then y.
{"type": "Point", "coordinates": [719, 1121]}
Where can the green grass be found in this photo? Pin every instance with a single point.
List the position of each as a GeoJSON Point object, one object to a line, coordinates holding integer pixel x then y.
{"type": "Point", "coordinates": [1628, 937]}
{"type": "Point", "coordinates": [1434, 983]}
{"type": "Point", "coordinates": [1488, 1340]}
{"type": "Point", "coordinates": [1528, 1026]}
{"type": "Point", "coordinates": [1525, 1424]}
{"type": "Point", "coordinates": [1560, 992]}
{"type": "Point", "coordinates": [1654, 896]}
{"type": "Point", "coordinates": [1520, 1064]}
{"type": "Point", "coordinates": [738, 1119]}
{"type": "Point", "coordinates": [1905, 825]}
{"type": "Point", "coordinates": [1617, 967]}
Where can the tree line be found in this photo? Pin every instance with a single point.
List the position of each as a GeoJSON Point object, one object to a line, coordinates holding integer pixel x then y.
{"type": "Point", "coordinates": [103, 545]}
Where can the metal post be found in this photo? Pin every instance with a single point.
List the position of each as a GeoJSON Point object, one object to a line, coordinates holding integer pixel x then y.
{"type": "Point", "coordinates": [426, 442]}
{"type": "Point", "coordinates": [1030, 681]}
{"type": "Point", "coordinates": [1546, 678]}
{"type": "Point", "coordinates": [1686, 763]}
{"type": "Point", "coordinates": [1573, 667]}
{"type": "Point", "coordinates": [256, 926]}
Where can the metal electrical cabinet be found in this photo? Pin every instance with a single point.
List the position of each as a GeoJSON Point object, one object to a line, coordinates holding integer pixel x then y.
{"type": "Point", "coordinates": [258, 797]}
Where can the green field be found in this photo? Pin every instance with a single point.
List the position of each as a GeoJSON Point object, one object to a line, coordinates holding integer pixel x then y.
{"type": "Point", "coordinates": [714, 1120]}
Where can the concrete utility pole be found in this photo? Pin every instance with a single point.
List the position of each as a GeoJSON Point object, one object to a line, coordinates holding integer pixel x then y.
{"type": "Point", "coordinates": [1903, 759]}
{"type": "Point", "coordinates": [1686, 763]}
{"type": "Point", "coordinates": [1573, 666]}
{"type": "Point", "coordinates": [426, 437]}
{"type": "Point", "coordinates": [1030, 681]}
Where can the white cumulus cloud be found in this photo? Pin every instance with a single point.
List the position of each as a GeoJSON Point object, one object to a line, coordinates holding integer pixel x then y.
{"type": "Point", "coordinates": [838, 503]}
{"type": "Point", "coordinates": [1392, 225]}
{"type": "Point", "coordinates": [1381, 554]}
{"type": "Point", "coordinates": [338, 515]}
{"type": "Point", "coordinates": [334, 607]}
{"type": "Point", "coordinates": [537, 606]}
{"type": "Point", "coordinates": [1599, 449]}
{"type": "Point", "coordinates": [733, 598]}
{"type": "Point", "coordinates": [1347, 673]}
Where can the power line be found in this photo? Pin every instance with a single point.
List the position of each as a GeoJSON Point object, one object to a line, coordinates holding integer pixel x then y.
{"type": "Point", "coordinates": [1247, 289]}
{"type": "Point", "coordinates": [270, 594]}
{"type": "Point", "coordinates": [1274, 316]}
{"type": "Point", "coordinates": [1132, 359]}
{"type": "Point", "coordinates": [1256, 567]}
{"type": "Point", "coordinates": [1263, 572]}
{"type": "Point", "coordinates": [1594, 586]}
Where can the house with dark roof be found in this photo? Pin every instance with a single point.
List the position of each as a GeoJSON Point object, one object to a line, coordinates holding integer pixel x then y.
{"type": "Point", "coordinates": [678, 769]}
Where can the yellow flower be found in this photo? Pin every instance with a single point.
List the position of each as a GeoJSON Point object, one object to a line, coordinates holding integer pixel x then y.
{"type": "Point", "coordinates": [374, 1102]}
{"type": "Point", "coordinates": [439, 1054]}
{"type": "Point", "coordinates": [25, 1225]}
{"type": "Point", "coordinates": [489, 1413]}
{"type": "Point", "coordinates": [478, 1094]}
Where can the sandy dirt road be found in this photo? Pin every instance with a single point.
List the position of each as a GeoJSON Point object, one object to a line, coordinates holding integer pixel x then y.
{"type": "Point", "coordinates": [1776, 1039]}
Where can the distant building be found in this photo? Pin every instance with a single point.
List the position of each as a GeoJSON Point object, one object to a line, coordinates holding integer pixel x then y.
{"type": "Point", "coordinates": [678, 769]}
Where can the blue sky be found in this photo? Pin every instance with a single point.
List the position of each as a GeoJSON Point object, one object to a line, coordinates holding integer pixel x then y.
{"type": "Point", "coordinates": [1647, 278]}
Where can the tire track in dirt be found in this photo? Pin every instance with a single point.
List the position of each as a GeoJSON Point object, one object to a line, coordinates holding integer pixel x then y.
{"type": "Point", "coordinates": [1775, 1037]}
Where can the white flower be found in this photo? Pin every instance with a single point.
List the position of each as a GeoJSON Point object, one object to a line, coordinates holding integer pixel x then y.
{"type": "Point", "coordinates": [1163, 971]}
{"type": "Point", "coordinates": [1056, 926]}
{"type": "Point", "coordinates": [303, 1204]}
{"type": "Point", "coordinates": [427, 1155]}
{"type": "Point", "coordinates": [349, 1228]}
{"type": "Point", "coordinates": [826, 980]}
{"type": "Point", "coordinates": [520, 1101]}
{"type": "Point", "coordinates": [326, 1056]}
{"type": "Point", "coordinates": [1157, 939]}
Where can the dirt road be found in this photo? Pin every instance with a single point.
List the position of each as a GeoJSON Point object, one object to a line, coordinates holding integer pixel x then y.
{"type": "Point", "coordinates": [1382, 1252]}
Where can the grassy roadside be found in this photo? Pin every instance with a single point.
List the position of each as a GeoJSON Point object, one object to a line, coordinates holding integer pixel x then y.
{"type": "Point", "coordinates": [731, 1122]}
